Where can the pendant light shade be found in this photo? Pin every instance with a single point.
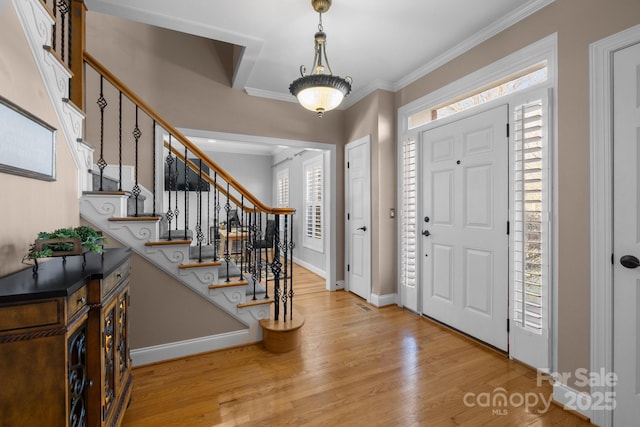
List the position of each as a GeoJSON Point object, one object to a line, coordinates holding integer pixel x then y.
{"type": "Point", "coordinates": [320, 91]}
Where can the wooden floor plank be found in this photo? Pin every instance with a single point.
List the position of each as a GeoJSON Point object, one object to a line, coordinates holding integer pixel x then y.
{"type": "Point", "coordinates": [357, 365]}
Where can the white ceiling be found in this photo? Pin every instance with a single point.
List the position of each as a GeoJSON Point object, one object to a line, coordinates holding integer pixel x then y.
{"type": "Point", "coordinates": [380, 44]}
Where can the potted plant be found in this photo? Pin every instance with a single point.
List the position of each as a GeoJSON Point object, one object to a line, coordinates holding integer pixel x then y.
{"type": "Point", "coordinates": [65, 242]}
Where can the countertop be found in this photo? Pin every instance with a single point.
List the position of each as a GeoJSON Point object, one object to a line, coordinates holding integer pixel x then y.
{"type": "Point", "coordinates": [57, 279]}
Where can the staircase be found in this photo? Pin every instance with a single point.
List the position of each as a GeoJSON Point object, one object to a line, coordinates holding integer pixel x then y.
{"type": "Point", "coordinates": [173, 225]}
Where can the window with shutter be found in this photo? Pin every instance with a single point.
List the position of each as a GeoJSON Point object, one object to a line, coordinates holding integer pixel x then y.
{"type": "Point", "coordinates": [408, 215]}
{"type": "Point", "coordinates": [530, 207]}
{"type": "Point", "coordinates": [283, 195]}
{"type": "Point", "coordinates": [314, 187]}
{"type": "Point", "coordinates": [283, 188]}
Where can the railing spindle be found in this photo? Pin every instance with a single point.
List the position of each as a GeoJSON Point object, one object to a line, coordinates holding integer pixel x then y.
{"type": "Point", "coordinates": [120, 141]}
{"type": "Point", "coordinates": [176, 210]}
{"type": "Point", "coordinates": [137, 133]}
{"type": "Point", "coordinates": [285, 294]}
{"type": "Point", "coordinates": [216, 219]}
{"type": "Point", "coordinates": [227, 255]}
{"type": "Point", "coordinates": [199, 234]}
{"type": "Point", "coordinates": [102, 104]}
{"type": "Point", "coordinates": [291, 245]}
{"type": "Point", "coordinates": [153, 168]}
{"type": "Point", "coordinates": [170, 160]}
{"type": "Point", "coordinates": [276, 269]}
{"type": "Point", "coordinates": [242, 239]}
{"type": "Point", "coordinates": [186, 193]}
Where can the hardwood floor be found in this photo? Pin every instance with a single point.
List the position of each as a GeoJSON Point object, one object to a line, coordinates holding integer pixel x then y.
{"type": "Point", "coordinates": [357, 365]}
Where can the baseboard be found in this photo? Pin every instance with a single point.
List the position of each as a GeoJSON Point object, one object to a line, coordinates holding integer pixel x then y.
{"type": "Point", "coordinates": [162, 352]}
{"type": "Point", "coordinates": [383, 300]}
{"type": "Point", "coordinates": [572, 400]}
{"type": "Point", "coordinates": [310, 267]}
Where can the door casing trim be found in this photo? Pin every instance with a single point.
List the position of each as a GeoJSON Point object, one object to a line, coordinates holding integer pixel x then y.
{"type": "Point", "coordinates": [601, 204]}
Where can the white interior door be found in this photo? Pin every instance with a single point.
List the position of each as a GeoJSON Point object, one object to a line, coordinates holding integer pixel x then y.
{"type": "Point", "coordinates": [465, 214]}
{"type": "Point", "coordinates": [626, 236]}
{"type": "Point", "coordinates": [358, 194]}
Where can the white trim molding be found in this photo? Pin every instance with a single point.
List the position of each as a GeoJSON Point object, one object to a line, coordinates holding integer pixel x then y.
{"type": "Point", "coordinates": [174, 350]}
{"type": "Point", "coordinates": [38, 27]}
{"type": "Point", "coordinates": [601, 205]}
{"type": "Point", "coordinates": [312, 268]}
{"type": "Point", "coordinates": [572, 399]}
{"type": "Point", "coordinates": [383, 300]}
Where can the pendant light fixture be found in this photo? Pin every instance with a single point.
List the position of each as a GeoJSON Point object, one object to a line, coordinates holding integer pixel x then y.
{"type": "Point", "coordinates": [320, 91]}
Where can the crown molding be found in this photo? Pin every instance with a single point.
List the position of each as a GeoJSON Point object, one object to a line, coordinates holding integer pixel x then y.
{"type": "Point", "coordinates": [468, 44]}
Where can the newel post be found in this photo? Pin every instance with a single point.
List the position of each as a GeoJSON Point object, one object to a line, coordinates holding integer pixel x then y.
{"type": "Point", "coordinates": [78, 43]}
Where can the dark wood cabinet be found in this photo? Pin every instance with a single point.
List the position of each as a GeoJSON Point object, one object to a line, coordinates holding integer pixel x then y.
{"type": "Point", "coordinates": [64, 350]}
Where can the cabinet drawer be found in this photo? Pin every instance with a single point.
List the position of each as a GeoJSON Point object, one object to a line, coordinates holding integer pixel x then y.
{"type": "Point", "coordinates": [25, 317]}
{"type": "Point", "coordinates": [76, 301]}
{"type": "Point", "coordinates": [114, 279]}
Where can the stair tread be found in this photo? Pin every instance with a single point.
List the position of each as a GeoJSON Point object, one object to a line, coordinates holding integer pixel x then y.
{"type": "Point", "coordinates": [168, 242]}
{"type": "Point", "coordinates": [253, 303]}
{"type": "Point", "coordinates": [231, 284]}
{"type": "Point", "coordinates": [200, 264]}
{"type": "Point", "coordinates": [105, 193]}
{"type": "Point", "coordinates": [134, 218]}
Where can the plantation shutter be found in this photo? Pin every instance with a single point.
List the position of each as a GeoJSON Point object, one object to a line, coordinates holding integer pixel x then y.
{"type": "Point", "coordinates": [283, 196]}
{"type": "Point", "coordinates": [314, 188]}
{"type": "Point", "coordinates": [283, 188]}
{"type": "Point", "coordinates": [408, 216]}
{"type": "Point", "coordinates": [531, 232]}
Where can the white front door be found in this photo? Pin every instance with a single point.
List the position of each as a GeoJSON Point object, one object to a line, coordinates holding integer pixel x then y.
{"type": "Point", "coordinates": [626, 235]}
{"type": "Point", "coordinates": [464, 223]}
{"type": "Point", "coordinates": [358, 196]}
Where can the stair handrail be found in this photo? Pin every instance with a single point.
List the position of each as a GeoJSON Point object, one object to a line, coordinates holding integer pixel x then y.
{"type": "Point", "coordinates": [118, 84]}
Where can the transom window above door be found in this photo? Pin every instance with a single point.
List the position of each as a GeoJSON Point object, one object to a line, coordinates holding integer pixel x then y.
{"type": "Point", "coordinates": [511, 84]}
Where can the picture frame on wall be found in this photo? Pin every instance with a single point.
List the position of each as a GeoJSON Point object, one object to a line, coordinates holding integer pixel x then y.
{"type": "Point", "coordinates": [27, 143]}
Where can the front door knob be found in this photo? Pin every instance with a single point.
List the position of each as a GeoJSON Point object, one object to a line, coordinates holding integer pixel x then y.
{"type": "Point", "coordinates": [426, 233]}
{"type": "Point", "coordinates": [630, 261]}
{"type": "Point", "coordinates": [363, 228]}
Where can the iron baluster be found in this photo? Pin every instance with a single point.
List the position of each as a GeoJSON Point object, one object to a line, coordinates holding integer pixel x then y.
{"type": "Point", "coordinates": [276, 269]}
{"type": "Point", "coordinates": [266, 287]}
{"type": "Point", "coordinates": [63, 6]}
{"type": "Point", "coordinates": [249, 248]}
{"type": "Point", "coordinates": [54, 40]}
{"type": "Point", "coordinates": [291, 246]}
{"type": "Point", "coordinates": [154, 167]}
{"type": "Point", "coordinates": [285, 294]}
{"type": "Point", "coordinates": [186, 192]}
{"type": "Point", "coordinates": [136, 187]}
{"type": "Point", "coordinates": [102, 104]}
{"type": "Point", "coordinates": [216, 218]}
{"type": "Point", "coordinates": [120, 142]}
{"type": "Point", "coordinates": [227, 255]}
{"type": "Point", "coordinates": [242, 239]}
{"type": "Point", "coordinates": [170, 161]}
{"type": "Point", "coordinates": [176, 210]}
{"type": "Point", "coordinates": [209, 218]}
{"type": "Point", "coordinates": [199, 233]}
